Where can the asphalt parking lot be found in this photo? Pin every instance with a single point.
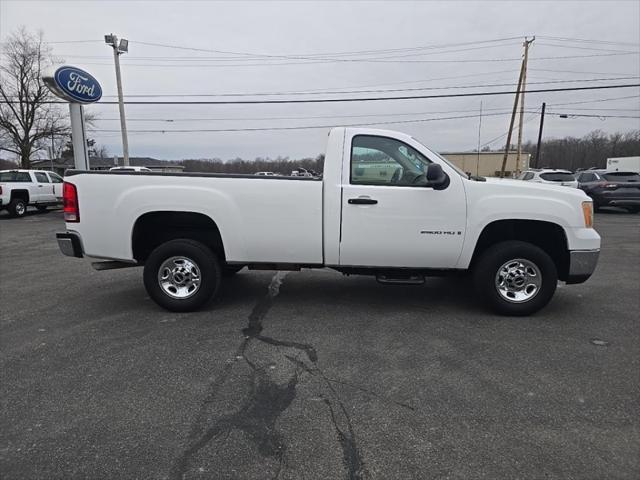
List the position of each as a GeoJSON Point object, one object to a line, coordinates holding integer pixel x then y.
{"type": "Point", "coordinates": [311, 375]}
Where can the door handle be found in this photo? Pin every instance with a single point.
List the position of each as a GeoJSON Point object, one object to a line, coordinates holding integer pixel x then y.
{"type": "Point", "coordinates": [40, 186]}
{"type": "Point", "coordinates": [362, 201]}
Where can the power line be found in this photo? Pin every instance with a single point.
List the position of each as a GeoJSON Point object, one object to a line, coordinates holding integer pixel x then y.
{"type": "Point", "coordinates": [77, 41]}
{"type": "Point", "coordinates": [279, 57]}
{"type": "Point", "coordinates": [351, 99]}
{"type": "Point", "coordinates": [597, 100]}
{"type": "Point", "coordinates": [305, 127]}
{"type": "Point", "coordinates": [311, 117]}
{"type": "Point", "coordinates": [586, 40]}
{"type": "Point", "coordinates": [484, 60]}
{"type": "Point", "coordinates": [581, 72]}
{"type": "Point", "coordinates": [309, 127]}
{"type": "Point", "coordinates": [315, 56]}
{"type": "Point", "coordinates": [248, 94]}
{"type": "Point", "coordinates": [201, 119]}
{"type": "Point", "coordinates": [583, 48]}
{"type": "Point", "coordinates": [593, 116]}
{"type": "Point", "coordinates": [533, 116]}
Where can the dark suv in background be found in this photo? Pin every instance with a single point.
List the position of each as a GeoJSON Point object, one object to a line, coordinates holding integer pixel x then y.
{"type": "Point", "coordinates": [611, 189]}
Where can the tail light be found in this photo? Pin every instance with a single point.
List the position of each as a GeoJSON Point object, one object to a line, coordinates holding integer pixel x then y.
{"type": "Point", "coordinates": [70, 203]}
{"type": "Point", "coordinates": [587, 212]}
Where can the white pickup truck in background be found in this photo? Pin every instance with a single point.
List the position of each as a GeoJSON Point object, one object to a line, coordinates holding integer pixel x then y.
{"type": "Point", "coordinates": [22, 188]}
{"type": "Point", "coordinates": [386, 206]}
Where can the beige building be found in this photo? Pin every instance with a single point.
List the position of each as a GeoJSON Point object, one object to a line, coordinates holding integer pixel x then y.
{"type": "Point", "coordinates": [488, 164]}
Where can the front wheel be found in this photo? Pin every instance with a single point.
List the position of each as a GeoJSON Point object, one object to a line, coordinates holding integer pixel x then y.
{"type": "Point", "coordinates": [515, 278]}
{"type": "Point", "coordinates": [182, 275]}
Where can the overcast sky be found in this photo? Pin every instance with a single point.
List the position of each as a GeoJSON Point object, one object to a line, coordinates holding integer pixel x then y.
{"type": "Point", "coordinates": [345, 46]}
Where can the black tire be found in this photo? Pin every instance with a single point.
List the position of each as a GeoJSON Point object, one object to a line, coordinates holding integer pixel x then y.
{"type": "Point", "coordinates": [41, 208]}
{"type": "Point", "coordinates": [208, 271]}
{"type": "Point", "coordinates": [494, 258]}
{"type": "Point", "coordinates": [17, 207]}
{"type": "Point", "coordinates": [231, 270]}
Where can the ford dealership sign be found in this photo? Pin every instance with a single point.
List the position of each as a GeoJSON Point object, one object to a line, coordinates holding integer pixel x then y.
{"type": "Point", "coordinates": [75, 85]}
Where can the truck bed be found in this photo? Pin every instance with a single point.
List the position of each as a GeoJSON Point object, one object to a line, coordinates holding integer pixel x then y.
{"type": "Point", "coordinates": [260, 218]}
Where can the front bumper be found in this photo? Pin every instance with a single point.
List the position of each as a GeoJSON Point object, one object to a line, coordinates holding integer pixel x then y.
{"type": "Point", "coordinates": [70, 244]}
{"type": "Point", "coordinates": [582, 264]}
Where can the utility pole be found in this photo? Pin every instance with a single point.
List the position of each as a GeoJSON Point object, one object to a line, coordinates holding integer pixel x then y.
{"type": "Point", "coordinates": [523, 68]}
{"type": "Point", "coordinates": [513, 117]}
{"type": "Point", "coordinates": [119, 49]}
{"type": "Point", "coordinates": [524, 88]}
{"type": "Point", "coordinates": [536, 162]}
{"type": "Point", "coordinates": [479, 131]}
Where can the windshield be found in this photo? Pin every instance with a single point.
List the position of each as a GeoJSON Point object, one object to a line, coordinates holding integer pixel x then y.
{"type": "Point", "coordinates": [622, 176]}
{"type": "Point", "coordinates": [557, 177]}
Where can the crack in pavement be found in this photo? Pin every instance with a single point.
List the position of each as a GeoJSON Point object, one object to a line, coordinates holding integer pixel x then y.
{"type": "Point", "coordinates": [267, 400]}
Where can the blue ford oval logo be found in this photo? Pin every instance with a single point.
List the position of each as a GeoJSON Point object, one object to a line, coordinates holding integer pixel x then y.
{"type": "Point", "coordinates": [77, 85]}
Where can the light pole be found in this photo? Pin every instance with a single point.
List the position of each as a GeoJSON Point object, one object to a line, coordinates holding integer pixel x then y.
{"type": "Point", "coordinates": [119, 49]}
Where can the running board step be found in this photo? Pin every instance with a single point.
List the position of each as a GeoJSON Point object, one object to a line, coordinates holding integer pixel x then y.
{"type": "Point", "coordinates": [112, 265]}
{"type": "Point", "coordinates": [400, 279]}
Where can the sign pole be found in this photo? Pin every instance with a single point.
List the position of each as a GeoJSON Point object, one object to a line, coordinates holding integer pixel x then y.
{"type": "Point", "coordinates": [78, 136]}
{"type": "Point", "coordinates": [77, 87]}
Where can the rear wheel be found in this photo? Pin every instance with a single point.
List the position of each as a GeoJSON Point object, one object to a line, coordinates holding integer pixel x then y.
{"type": "Point", "coordinates": [515, 278]}
{"type": "Point", "coordinates": [17, 207]}
{"type": "Point", "coordinates": [182, 275]}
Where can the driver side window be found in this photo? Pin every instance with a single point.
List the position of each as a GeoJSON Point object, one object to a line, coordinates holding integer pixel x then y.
{"type": "Point", "coordinates": [385, 161]}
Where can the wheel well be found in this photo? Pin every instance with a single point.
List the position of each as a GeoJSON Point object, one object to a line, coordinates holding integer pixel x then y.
{"type": "Point", "coordinates": [155, 228]}
{"type": "Point", "coordinates": [550, 237]}
{"type": "Point", "coordinates": [21, 194]}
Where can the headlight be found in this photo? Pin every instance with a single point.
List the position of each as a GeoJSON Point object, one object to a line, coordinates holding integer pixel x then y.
{"type": "Point", "coordinates": [587, 211]}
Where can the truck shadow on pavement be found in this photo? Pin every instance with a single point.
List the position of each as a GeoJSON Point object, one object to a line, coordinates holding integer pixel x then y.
{"type": "Point", "coordinates": [277, 367]}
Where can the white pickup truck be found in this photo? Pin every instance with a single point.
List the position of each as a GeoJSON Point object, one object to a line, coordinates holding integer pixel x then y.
{"type": "Point", "coordinates": [386, 206]}
{"type": "Point", "coordinates": [22, 188]}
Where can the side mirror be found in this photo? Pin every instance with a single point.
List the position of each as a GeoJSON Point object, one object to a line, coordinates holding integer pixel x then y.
{"type": "Point", "coordinates": [436, 177]}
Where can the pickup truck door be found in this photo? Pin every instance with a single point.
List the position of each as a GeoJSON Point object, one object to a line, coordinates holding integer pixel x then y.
{"type": "Point", "coordinates": [56, 186]}
{"type": "Point", "coordinates": [388, 219]}
{"type": "Point", "coordinates": [44, 188]}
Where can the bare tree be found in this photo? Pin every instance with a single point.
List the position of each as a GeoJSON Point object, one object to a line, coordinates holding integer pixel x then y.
{"type": "Point", "coordinates": [26, 119]}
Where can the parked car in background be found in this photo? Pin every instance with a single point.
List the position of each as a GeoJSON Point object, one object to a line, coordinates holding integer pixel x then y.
{"type": "Point", "coordinates": [611, 189]}
{"type": "Point", "coordinates": [22, 188]}
{"type": "Point", "coordinates": [130, 169]}
{"type": "Point", "coordinates": [551, 176]}
{"type": "Point", "coordinates": [303, 172]}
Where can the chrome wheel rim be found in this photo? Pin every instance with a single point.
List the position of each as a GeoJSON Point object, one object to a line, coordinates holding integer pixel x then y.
{"type": "Point", "coordinates": [20, 208]}
{"type": "Point", "coordinates": [518, 280]}
{"type": "Point", "coordinates": [179, 277]}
